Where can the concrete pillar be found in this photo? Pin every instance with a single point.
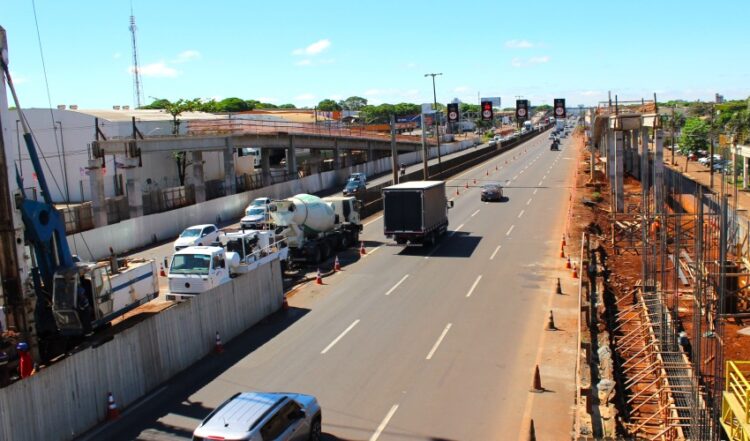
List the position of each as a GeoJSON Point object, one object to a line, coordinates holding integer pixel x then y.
{"type": "Point", "coordinates": [230, 183]}
{"type": "Point", "coordinates": [611, 158]}
{"type": "Point", "coordinates": [369, 152]}
{"type": "Point", "coordinates": [744, 173]}
{"type": "Point", "coordinates": [619, 172]}
{"type": "Point", "coordinates": [96, 185]}
{"type": "Point", "coordinates": [644, 159]}
{"type": "Point", "coordinates": [659, 170]}
{"type": "Point", "coordinates": [133, 187]}
{"type": "Point", "coordinates": [314, 161]}
{"type": "Point", "coordinates": [265, 166]}
{"type": "Point", "coordinates": [336, 154]}
{"type": "Point", "coordinates": [197, 178]}
{"type": "Point", "coordinates": [635, 165]}
{"type": "Point", "coordinates": [291, 157]}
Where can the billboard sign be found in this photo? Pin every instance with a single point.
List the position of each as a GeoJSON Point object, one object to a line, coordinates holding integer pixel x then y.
{"type": "Point", "coordinates": [495, 100]}
{"type": "Point", "coordinates": [486, 110]}
{"type": "Point", "coordinates": [560, 108]}
{"type": "Point", "coordinates": [522, 109]}
{"type": "Point", "coordinates": [453, 112]}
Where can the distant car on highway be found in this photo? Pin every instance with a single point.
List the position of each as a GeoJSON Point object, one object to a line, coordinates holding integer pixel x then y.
{"type": "Point", "coordinates": [256, 216]}
{"type": "Point", "coordinates": [353, 187]}
{"type": "Point", "coordinates": [263, 416]}
{"type": "Point", "coordinates": [492, 192]}
{"type": "Point", "coordinates": [197, 235]}
{"type": "Point", "coordinates": [358, 177]}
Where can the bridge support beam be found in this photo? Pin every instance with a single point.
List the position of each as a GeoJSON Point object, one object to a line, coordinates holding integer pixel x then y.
{"type": "Point", "coordinates": [291, 157]}
{"type": "Point", "coordinates": [336, 155]}
{"type": "Point", "coordinates": [197, 177]}
{"type": "Point", "coordinates": [96, 185]}
{"type": "Point", "coordinates": [265, 166]}
{"type": "Point", "coordinates": [619, 172]}
{"type": "Point", "coordinates": [230, 183]}
{"type": "Point", "coordinates": [133, 186]}
{"type": "Point", "coordinates": [314, 161]}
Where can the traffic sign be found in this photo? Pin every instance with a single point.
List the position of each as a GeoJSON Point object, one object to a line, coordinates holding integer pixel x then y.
{"type": "Point", "coordinates": [487, 110]}
{"type": "Point", "coordinates": [453, 112]}
{"type": "Point", "coordinates": [560, 108]}
{"type": "Point", "coordinates": [522, 109]}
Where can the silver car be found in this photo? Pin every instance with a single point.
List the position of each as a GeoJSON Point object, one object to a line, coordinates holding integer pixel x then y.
{"type": "Point", "coordinates": [263, 416]}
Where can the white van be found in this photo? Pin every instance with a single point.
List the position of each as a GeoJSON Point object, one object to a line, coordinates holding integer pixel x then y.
{"type": "Point", "coordinates": [250, 151]}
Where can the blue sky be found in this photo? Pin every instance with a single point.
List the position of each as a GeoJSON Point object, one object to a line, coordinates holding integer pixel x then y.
{"type": "Point", "coordinates": [302, 52]}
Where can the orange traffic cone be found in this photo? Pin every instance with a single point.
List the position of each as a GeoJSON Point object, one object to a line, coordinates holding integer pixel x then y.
{"type": "Point", "coordinates": [319, 278]}
{"type": "Point", "coordinates": [161, 270]}
{"type": "Point", "coordinates": [336, 264]}
{"type": "Point", "coordinates": [457, 191]}
{"type": "Point", "coordinates": [487, 173]}
{"type": "Point", "coordinates": [218, 346]}
{"type": "Point", "coordinates": [575, 271]}
{"type": "Point", "coordinates": [112, 411]}
{"type": "Point", "coordinates": [532, 432]}
{"type": "Point", "coordinates": [536, 385]}
{"type": "Point", "coordinates": [563, 240]}
{"type": "Point", "coordinates": [466, 184]}
{"type": "Point", "coordinates": [567, 264]}
{"type": "Point", "coordinates": [495, 167]}
{"type": "Point", "coordinates": [562, 252]}
{"type": "Point", "coordinates": [475, 181]}
{"type": "Point", "coordinates": [362, 249]}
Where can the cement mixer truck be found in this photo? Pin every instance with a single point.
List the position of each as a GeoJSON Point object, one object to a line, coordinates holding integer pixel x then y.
{"type": "Point", "coordinates": [315, 228]}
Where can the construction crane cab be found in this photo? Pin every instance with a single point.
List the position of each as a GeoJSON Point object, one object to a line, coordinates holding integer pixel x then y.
{"type": "Point", "coordinates": [81, 297]}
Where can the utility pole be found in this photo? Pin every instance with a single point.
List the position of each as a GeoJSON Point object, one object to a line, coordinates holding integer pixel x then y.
{"type": "Point", "coordinates": [673, 132]}
{"type": "Point", "coordinates": [394, 151]}
{"type": "Point", "coordinates": [425, 152]}
{"type": "Point", "coordinates": [711, 153]}
{"type": "Point", "coordinates": [437, 123]}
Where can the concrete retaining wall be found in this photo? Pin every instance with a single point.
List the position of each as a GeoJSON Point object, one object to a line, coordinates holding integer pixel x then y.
{"type": "Point", "coordinates": [69, 397]}
{"type": "Point", "coordinates": [135, 233]}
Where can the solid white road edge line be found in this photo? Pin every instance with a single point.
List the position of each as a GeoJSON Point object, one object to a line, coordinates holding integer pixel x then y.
{"type": "Point", "coordinates": [528, 202]}
{"type": "Point", "coordinates": [374, 220]}
{"type": "Point", "coordinates": [496, 250]}
{"type": "Point", "coordinates": [473, 287]}
{"type": "Point", "coordinates": [474, 213]}
{"type": "Point", "coordinates": [384, 423]}
{"type": "Point", "coordinates": [535, 190]}
{"type": "Point", "coordinates": [396, 285]}
{"type": "Point", "coordinates": [340, 336]}
{"type": "Point", "coordinates": [520, 214]}
{"type": "Point", "coordinates": [373, 250]}
{"type": "Point", "coordinates": [439, 340]}
{"type": "Point", "coordinates": [509, 230]}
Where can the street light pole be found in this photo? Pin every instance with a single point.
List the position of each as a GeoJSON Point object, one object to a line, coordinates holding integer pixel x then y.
{"type": "Point", "coordinates": [437, 126]}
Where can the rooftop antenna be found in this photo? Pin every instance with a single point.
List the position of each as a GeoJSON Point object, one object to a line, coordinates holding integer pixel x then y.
{"type": "Point", "coordinates": [137, 87]}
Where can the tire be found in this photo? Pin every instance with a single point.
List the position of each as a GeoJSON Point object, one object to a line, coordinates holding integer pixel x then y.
{"type": "Point", "coordinates": [346, 241]}
{"type": "Point", "coordinates": [400, 241]}
{"type": "Point", "coordinates": [315, 430]}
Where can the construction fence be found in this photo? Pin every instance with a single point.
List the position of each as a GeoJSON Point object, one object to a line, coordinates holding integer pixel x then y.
{"type": "Point", "coordinates": [68, 398]}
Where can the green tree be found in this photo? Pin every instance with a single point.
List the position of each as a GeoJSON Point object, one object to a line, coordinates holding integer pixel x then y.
{"type": "Point", "coordinates": [233, 105]}
{"type": "Point", "coordinates": [328, 105]}
{"type": "Point", "coordinates": [353, 103]}
{"type": "Point", "coordinates": [543, 108]}
{"type": "Point", "coordinates": [287, 106]}
{"type": "Point", "coordinates": [176, 109]}
{"type": "Point", "coordinates": [156, 104]}
{"type": "Point", "coordinates": [694, 135]}
{"type": "Point", "coordinates": [466, 107]}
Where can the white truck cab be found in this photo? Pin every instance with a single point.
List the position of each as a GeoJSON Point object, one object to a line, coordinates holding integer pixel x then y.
{"type": "Point", "coordinates": [194, 270]}
{"type": "Point", "coordinates": [250, 246]}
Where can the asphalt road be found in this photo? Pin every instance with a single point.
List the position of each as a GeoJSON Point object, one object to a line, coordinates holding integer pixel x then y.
{"type": "Point", "coordinates": [405, 343]}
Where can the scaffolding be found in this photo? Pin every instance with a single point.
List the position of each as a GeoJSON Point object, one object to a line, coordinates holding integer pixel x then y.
{"type": "Point", "coordinates": [735, 406]}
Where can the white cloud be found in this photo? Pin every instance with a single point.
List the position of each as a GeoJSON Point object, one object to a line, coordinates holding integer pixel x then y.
{"type": "Point", "coordinates": [157, 70]}
{"type": "Point", "coordinates": [305, 97]}
{"type": "Point", "coordinates": [539, 60]}
{"type": "Point", "coordinates": [188, 55]}
{"type": "Point", "coordinates": [18, 79]}
{"type": "Point", "coordinates": [519, 44]}
{"type": "Point", "coordinates": [314, 48]}
{"type": "Point", "coordinates": [524, 62]}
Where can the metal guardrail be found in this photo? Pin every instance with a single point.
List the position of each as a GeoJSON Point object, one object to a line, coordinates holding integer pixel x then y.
{"type": "Point", "coordinates": [735, 403]}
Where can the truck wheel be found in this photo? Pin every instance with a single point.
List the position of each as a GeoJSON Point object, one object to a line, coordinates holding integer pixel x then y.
{"type": "Point", "coordinates": [346, 242]}
{"type": "Point", "coordinates": [400, 241]}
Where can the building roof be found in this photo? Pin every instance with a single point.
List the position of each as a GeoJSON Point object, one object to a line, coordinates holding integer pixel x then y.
{"type": "Point", "coordinates": [143, 114]}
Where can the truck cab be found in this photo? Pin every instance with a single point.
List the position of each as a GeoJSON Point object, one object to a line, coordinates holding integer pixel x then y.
{"type": "Point", "coordinates": [194, 270]}
{"type": "Point", "coordinates": [249, 246]}
{"type": "Point", "coordinates": [345, 208]}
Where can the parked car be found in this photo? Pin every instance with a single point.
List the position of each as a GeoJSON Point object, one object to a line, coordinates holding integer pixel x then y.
{"type": "Point", "coordinates": [492, 192]}
{"type": "Point", "coordinates": [353, 187]}
{"type": "Point", "coordinates": [263, 416]}
{"type": "Point", "coordinates": [197, 235]}
{"type": "Point", "coordinates": [260, 201]}
{"type": "Point", "coordinates": [706, 160]}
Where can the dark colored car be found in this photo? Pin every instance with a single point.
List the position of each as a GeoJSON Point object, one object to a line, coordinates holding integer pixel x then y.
{"type": "Point", "coordinates": [353, 187]}
{"type": "Point", "coordinates": [492, 192]}
{"type": "Point", "coordinates": [555, 145]}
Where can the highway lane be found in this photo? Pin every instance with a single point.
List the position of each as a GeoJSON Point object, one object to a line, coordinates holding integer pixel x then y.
{"type": "Point", "coordinates": [479, 341]}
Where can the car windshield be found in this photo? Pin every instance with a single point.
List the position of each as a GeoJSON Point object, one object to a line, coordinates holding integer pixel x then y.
{"type": "Point", "coordinates": [258, 211]}
{"type": "Point", "coordinates": [191, 232]}
{"type": "Point", "coordinates": [352, 184]}
{"type": "Point", "coordinates": [491, 187]}
{"type": "Point", "coordinates": [190, 264]}
{"type": "Point", "coordinates": [258, 202]}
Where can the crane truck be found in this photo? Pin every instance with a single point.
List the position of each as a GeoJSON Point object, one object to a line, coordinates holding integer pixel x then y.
{"type": "Point", "coordinates": [72, 298]}
{"type": "Point", "coordinates": [315, 227]}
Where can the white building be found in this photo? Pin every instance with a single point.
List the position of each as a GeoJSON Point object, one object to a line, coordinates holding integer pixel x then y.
{"type": "Point", "coordinates": [63, 138]}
